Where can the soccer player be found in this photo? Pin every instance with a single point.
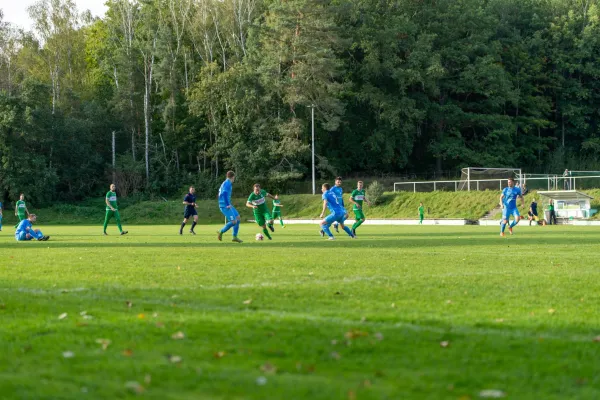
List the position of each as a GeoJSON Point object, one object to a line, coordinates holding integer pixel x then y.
{"type": "Point", "coordinates": [421, 213]}
{"type": "Point", "coordinates": [508, 201]}
{"type": "Point", "coordinates": [25, 230]}
{"type": "Point", "coordinates": [533, 212]}
{"type": "Point", "coordinates": [189, 210]}
{"type": "Point", "coordinates": [228, 210]}
{"type": "Point", "coordinates": [339, 193]}
{"type": "Point", "coordinates": [21, 209]}
{"type": "Point", "coordinates": [337, 212]}
{"type": "Point", "coordinates": [258, 202]}
{"type": "Point", "coordinates": [277, 210]}
{"type": "Point", "coordinates": [112, 210]}
{"type": "Point", "coordinates": [357, 197]}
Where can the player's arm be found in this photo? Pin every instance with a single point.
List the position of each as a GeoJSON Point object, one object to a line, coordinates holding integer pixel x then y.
{"type": "Point", "coordinates": [354, 202]}
{"type": "Point", "coordinates": [108, 203]}
{"type": "Point", "coordinates": [224, 195]}
{"type": "Point", "coordinates": [324, 208]}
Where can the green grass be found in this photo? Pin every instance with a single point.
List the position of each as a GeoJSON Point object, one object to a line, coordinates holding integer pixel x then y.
{"type": "Point", "coordinates": [301, 317]}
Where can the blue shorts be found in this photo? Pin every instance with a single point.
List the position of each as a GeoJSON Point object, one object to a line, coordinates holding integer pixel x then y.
{"type": "Point", "coordinates": [507, 212]}
{"type": "Point", "coordinates": [22, 236]}
{"type": "Point", "coordinates": [230, 213]}
{"type": "Point", "coordinates": [331, 218]}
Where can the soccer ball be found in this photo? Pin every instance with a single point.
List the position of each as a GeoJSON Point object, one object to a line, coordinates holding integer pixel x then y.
{"type": "Point", "coordinates": [260, 236]}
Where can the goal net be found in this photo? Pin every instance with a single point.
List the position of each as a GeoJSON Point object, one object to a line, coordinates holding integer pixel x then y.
{"type": "Point", "coordinates": [487, 178]}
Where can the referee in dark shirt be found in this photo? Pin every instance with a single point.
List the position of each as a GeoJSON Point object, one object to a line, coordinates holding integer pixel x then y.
{"type": "Point", "coordinates": [533, 212]}
{"type": "Point", "coordinates": [189, 210]}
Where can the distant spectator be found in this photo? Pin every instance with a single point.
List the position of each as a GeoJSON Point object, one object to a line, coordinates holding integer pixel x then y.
{"type": "Point", "coordinates": [567, 180]}
{"type": "Point", "coordinates": [552, 213]}
{"type": "Point", "coordinates": [533, 212]}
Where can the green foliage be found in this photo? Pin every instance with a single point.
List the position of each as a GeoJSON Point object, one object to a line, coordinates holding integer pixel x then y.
{"type": "Point", "coordinates": [375, 193]}
{"type": "Point", "coordinates": [196, 88]}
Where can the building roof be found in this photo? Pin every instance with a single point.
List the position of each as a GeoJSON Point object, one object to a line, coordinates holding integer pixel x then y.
{"type": "Point", "coordinates": [565, 195]}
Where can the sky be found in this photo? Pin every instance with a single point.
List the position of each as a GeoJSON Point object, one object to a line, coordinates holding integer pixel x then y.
{"type": "Point", "coordinates": [15, 11]}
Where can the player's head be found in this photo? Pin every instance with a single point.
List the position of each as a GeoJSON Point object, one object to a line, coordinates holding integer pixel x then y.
{"type": "Point", "coordinates": [113, 187]}
{"type": "Point", "coordinates": [325, 187]}
{"type": "Point", "coordinates": [256, 188]}
{"type": "Point", "coordinates": [338, 181]}
{"type": "Point", "coordinates": [192, 190]}
{"type": "Point", "coordinates": [32, 217]}
{"type": "Point", "coordinates": [231, 176]}
{"type": "Point", "coordinates": [511, 182]}
{"type": "Point", "coordinates": [21, 197]}
{"type": "Point", "coordinates": [359, 185]}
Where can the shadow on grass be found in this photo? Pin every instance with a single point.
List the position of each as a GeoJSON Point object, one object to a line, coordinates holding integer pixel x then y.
{"type": "Point", "coordinates": [318, 243]}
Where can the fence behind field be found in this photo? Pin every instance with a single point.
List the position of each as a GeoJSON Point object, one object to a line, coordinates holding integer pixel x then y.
{"type": "Point", "coordinates": [549, 182]}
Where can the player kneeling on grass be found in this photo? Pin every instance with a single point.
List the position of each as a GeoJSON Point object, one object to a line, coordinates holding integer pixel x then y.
{"type": "Point", "coordinates": [337, 212]}
{"type": "Point", "coordinates": [25, 230]}
{"type": "Point", "coordinates": [508, 201]}
{"type": "Point", "coordinates": [258, 202]}
{"type": "Point", "coordinates": [357, 197]}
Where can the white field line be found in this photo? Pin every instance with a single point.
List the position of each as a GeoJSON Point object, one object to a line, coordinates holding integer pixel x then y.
{"type": "Point", "coordinates": [506, 332]}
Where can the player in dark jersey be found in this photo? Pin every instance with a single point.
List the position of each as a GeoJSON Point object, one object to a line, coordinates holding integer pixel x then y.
{"type": "Point", "coordinates": [189, 210]}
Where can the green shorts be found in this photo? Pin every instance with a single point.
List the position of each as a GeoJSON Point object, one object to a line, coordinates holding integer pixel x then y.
{"type": "Point", "coordinates": [261, 218]}
{"type": "Point", "coordinates": [359, 214]}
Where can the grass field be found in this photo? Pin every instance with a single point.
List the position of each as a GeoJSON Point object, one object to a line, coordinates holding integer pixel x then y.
{"type": "Point", "coordinates": [400, 313]}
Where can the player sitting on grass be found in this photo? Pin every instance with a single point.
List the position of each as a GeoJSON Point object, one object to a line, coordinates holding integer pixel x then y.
{"type": "Point", "coordinates": [228, 210]}
{"type": "Point", "coordinates": [508, 200]}
{"type": "Point", "coordinates": [277, 210]}
{"type": "Point", "coordinates": [189, 210]}
{"type": "Point", "coordinates": [258, 202]}
{"type": "Point", "coordinates": [357, 197]}
{"type": "Point", "coordinates": [112, 210]}
{"type": "Point", "coordinates": [25, 230]}
{"type": "Point", "coordinates": [338, 213]}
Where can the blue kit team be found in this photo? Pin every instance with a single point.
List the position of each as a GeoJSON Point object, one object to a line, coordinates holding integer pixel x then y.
{"type": "Point", "coordinates": [25, 230]}
{"type": "Point", "coordinates": [508, 201]}
{"type": "Point", "coordinates": [337, 212]}
{"type": "Point", "coordinates": [232, 216]}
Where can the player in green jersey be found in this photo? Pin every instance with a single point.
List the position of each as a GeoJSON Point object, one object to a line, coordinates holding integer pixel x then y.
{"type": "Point", "coordinates": [277, 210]}
{"type": "Point", "coordinates": [21, 210]}
{"type": "Point", "coordinates": [258, 202]}
{"type": "Point", "coordinates": [112, 210]}
{"type": "Point", "coordinates": [357, 197]}
{"type": "Point", "coordinates": [421, 213]}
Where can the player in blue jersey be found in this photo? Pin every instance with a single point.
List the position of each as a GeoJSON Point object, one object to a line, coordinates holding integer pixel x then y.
{"type": "Point", "coordinates": [189, 210]}
{"type": "Point", "coordinates": [339, 193]}
{"type": "Point", "coordinates": [25, 230]}
{"type": "Point", "coordinates": [337, 212]}
{"type": "Point", "coordinates": [508, 201]}
{"type": "Point", "coordinates": [228, 210]}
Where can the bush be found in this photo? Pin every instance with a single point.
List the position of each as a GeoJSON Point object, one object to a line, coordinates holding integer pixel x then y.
{"type": "Point", "coordinates": [375, 193]}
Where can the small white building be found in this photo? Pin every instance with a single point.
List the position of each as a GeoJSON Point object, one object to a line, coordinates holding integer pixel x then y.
{"type": "Point", "coordinates": [568, 204]}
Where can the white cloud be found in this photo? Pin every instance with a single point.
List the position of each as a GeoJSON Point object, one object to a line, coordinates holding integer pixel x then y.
{"type": "Point", "coordinates": [15, 11]}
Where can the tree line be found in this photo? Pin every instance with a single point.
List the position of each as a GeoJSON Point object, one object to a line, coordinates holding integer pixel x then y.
{"type": "Point", "coordinates": [159, 93]}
